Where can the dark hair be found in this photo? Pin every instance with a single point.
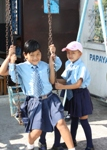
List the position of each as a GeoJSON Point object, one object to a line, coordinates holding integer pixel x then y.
{"type": "Point", "coordinates": [31, 46]}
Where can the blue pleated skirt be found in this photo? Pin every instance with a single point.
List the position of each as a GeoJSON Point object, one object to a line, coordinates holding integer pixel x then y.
{"type": "Point", "coordinates": [42, 114]}
{"type": "Point", "coordinates": [81, 104]}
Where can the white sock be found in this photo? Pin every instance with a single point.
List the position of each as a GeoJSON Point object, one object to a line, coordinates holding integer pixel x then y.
{"type": "Point", "coordinates": [72, 148]}
{"type": "Point", "coordinates": [30, 146]}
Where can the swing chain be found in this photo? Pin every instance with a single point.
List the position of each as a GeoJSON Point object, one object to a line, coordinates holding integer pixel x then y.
{"type": "Point", "coordinates": [50, 40]}
{"type": "Point", "coordinates": [9, 26]}
{"type": "Point", "coordinates": [7, 29]}
{"type": "Point", "coordinates": [18, 104]}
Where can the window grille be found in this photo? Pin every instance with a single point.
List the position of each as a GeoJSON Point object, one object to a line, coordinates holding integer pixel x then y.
{"type": "Point", "coordinates": [95, 28]}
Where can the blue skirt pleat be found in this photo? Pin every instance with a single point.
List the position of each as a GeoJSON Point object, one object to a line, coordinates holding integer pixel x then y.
{"type": "Point", "coordinates": [42, 114]}
{"type": "Point", "coordinates": [81, 104]}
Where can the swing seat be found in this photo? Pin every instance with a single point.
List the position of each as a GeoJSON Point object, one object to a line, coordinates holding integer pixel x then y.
{"type": "Point", "coordinates": [13, 98]}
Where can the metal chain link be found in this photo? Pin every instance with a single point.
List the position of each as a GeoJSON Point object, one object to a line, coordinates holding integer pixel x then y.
{"type": "Point", "coordinates": [10, 23]}
{"type": "Point", "coordinates": [50, 40]}
{"type": "Point", "coordinates": [7, 34]}
{"type": "Point", "coordinates": [9, 26]}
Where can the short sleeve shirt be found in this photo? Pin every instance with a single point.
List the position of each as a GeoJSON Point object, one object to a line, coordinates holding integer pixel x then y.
{"type": "Point", "coordinates": [78, 70]}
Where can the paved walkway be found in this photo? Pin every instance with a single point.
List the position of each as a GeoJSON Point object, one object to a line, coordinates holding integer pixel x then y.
{"type": "Point", "coordinates": [12, 136]}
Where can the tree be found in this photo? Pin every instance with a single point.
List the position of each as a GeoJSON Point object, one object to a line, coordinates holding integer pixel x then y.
{"type": "Point", "coordinates": [98, 28]}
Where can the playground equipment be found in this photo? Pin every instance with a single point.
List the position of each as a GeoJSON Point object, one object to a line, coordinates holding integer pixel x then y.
{"type": "Point", "coordinates": [50, 4]}
{"type": "Point", "coordinates": [16, 96]}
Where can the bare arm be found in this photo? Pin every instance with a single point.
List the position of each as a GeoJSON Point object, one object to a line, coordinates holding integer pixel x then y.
{"type": "Point", "coordinates": [62, 81]}
{"type": "Point", "coordinates": [51, 63]}
{"type": "Point", "coordinates": [4, 66]}
{"type": "Point", "coordinates": [71, 86]}
{"type": "Point", "coordinates": [52, 71]}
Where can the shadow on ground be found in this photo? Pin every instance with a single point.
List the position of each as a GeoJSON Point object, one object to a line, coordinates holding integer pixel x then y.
{"type": "Point", "coordinates": [13, 137]}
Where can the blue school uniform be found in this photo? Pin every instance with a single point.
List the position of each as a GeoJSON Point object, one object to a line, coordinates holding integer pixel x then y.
{"type": "Point", "coordinates": [80, 104]}
{"type": "Point", "coordinates": [43, 111]}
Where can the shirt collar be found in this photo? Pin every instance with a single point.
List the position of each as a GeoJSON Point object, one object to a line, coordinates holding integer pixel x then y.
{"type": "Point", "coordinates": [31, 65]}
{"type": "Point", "coordinates": [77, 62]}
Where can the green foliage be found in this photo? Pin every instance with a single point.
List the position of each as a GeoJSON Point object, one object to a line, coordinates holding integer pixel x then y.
{"type": "Point", "coordinates": [104, 3]}
{"type": "Point", "coordinates": [98, 28]}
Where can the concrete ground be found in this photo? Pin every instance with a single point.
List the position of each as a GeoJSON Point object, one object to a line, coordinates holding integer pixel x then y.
{"type": "Point", "coordinates": [12, 136]}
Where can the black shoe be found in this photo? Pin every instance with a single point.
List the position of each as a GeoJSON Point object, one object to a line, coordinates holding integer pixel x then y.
{"type": "Point", "coordinates": [29, 149]}
{"type": "Point", "coordinates": [67, 118]}
{"type": "Point", "coordinates": [42, 146]}
{"type": "Point", "coordinates": [57, 148]}
{"type": "Point", "coordinates": [75, 143]}
{"type": "Point", "coordinates": [64, 145]}
{"type": "Point", "coordinates": [88, 148]}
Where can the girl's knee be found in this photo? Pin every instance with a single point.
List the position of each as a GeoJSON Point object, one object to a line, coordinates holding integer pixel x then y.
{"type": "Point", "coordinates": [33, 135]}
{"type": "Point", "coordinates": [36, 132]}
{"type": "Point", "coordinates": [84, 117]}
{"type": "Point", "coordinates": [61, 123]}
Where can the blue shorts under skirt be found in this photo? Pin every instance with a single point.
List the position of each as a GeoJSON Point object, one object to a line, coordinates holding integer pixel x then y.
{"type": "Point", "coordinates": [81, 104]}
{"type": "Point", "coordinates": [42, 114]}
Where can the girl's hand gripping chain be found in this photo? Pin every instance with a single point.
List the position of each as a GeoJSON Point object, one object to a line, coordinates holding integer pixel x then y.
{"type": "Point", "coordinates": [13, 58]}
{"type": "Point", "coordinates": [12, 50]}
{"type": "Point", "coordinates": [12, 54]}
{"type": "Point", "coordinates": [52, 51]}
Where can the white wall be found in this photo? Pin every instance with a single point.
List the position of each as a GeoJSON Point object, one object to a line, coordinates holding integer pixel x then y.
{"type": "Point", "coordinates": [95, 58]}
{"type": "Point", "coordinates": [2, 11]}
{"type": "Point", "coordinates": [96, 62]}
